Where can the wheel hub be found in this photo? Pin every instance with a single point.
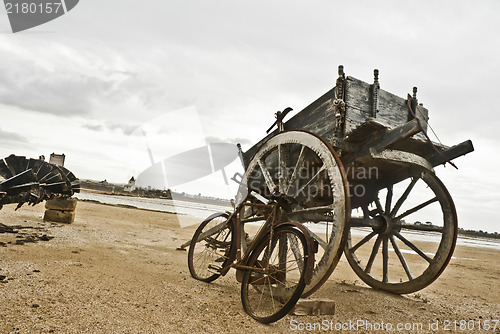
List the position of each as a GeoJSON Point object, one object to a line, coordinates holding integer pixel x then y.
{"type": "Point", "coordinates": [388, 224]}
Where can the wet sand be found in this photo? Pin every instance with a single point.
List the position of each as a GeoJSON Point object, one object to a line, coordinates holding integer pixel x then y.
{"type": "Point", "coordinates": [117, 270]}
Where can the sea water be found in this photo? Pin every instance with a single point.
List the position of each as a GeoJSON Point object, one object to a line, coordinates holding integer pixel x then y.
{"type": "Point", "coordinates": [203, 210]}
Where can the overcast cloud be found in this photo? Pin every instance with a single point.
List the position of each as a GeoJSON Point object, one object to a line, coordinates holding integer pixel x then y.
{"type": "Point", "coordinates": [88, 83]}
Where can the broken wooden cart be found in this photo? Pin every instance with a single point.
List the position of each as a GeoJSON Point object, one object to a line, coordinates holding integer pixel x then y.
{"type": "Point", "coordinates": [378, 198]}
{"type": "Point", "coordinates": [357, 169]}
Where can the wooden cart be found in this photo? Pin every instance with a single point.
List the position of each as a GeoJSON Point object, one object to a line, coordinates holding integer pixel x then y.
{"type": "Point", "coordinates": [358, 169]}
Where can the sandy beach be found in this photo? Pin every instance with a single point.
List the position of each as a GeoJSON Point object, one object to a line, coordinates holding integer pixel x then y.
{"type": "Point", "coordinates": [117, 270]}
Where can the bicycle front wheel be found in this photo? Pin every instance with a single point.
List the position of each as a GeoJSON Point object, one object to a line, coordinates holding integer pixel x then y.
{"type": "Point", "coordinates": [210, 247]}
{"type": "Point", "coordinates": [276, 280]}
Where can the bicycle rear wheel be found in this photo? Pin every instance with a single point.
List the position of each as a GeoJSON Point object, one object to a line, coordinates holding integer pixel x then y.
{"type": "Point", "coordinates": [277, 279]}
{"type": "Point", "coordinates": [210, 247]}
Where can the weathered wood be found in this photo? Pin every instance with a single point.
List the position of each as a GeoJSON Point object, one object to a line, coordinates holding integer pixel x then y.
{"type": "Point", "coordinates": [392, 110]}
{"type": "Point", "coordinates": [61, 204]}
{"type": "Point", "coordinates": [316, 306]}
{"type": "Point", "coordinates": [58, 216]}
{"type": "Point", "coordinates": [317, 118]}
{"type": "Point", "coordinates": [374, 120]}
{"type": "Point", "coordinates": [383, 140]}
{"type": "Point", "coordinates": [365, 131]}
{"type": "Point", "coordinates": [451, 153]}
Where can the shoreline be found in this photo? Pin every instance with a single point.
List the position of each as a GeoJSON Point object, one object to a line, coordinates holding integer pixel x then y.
{"type": "Point", "coordinates": [462, 235]}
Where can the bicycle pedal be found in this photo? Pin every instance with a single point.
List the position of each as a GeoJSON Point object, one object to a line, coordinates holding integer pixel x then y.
{"type": "Point", "coordinates": [214, 268]}
{"type": "Point", "coordinates": [213, 271]}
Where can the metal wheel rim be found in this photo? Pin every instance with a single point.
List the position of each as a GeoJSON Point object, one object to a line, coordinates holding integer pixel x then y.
{"type": "Point", "coordinates": [200, 255]}
{"type": "Point", "coordinates": [335, 232]}
{"type": "Point", "coordinates": [438, 261]}
{"type": "Point", "coordinates": [269, 295]}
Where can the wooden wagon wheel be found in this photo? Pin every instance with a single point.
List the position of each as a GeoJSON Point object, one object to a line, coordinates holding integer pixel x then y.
{"type": "Point", "coordinates": [413, 224]}
{"type": "Point", "coordinates": [307, 170]}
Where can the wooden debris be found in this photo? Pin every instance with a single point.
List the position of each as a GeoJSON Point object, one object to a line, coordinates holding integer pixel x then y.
{"type": "Point", "coordinates": [314, 306]}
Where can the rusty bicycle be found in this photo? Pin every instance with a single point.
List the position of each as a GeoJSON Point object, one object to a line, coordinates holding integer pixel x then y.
{"type": "Point", "coordinates": [273, 267]}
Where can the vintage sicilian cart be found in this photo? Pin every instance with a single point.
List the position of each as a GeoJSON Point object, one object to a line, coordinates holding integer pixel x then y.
{"type": "Point", "coordinates": [355, 169]}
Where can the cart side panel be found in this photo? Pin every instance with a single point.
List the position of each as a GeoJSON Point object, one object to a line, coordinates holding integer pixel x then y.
{"type": "Point", "coordinates": [358, 104]}
{"type": "Point", "coordinates": [318, 117]}
{"type": "Point", "coordinates": [392, 110]}
{"type": "Point", "coordinates": [363, 101]}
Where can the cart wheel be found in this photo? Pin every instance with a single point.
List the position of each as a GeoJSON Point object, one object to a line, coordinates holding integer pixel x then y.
{"type": "Point", "coordinates": [307, 170]}
{"type": "Point", "coordinates": [416, 228]}
{"type": "Point", "coordinates": [276, 279]}
{"type": "Point", "coordinates": [210, 247]}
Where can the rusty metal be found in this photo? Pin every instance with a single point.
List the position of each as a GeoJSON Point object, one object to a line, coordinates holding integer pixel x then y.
{"type": "Point", "coordinates": [279, 115]}
{"type": "Point", "coordinates": [273, 235]}
{"type": "Point", "coordinates": [32, 181]}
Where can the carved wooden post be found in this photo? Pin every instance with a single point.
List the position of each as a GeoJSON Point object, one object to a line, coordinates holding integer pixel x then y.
{"type": "Point", "coordinates": [375, 89]}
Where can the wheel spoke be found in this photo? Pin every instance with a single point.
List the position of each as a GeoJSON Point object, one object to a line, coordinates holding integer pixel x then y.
{"type": "Point", "coordinates": [296, 253]}
{"type": "Point", "coordinates": [412, 246]}
{"type": "Point", "coordinates": [362, 242]}
{"type": "Point", "coordinates": [423, 197]}
{"type": "Point", "coordinates": [267, 177]}
{"type": "Point", "coordinates": [282, 251]}
{"type": "Point", "coordinates": [379, 206]}
{"type": "Point", "coordinates": [404, 196]}
{"type": "Point", "coordinates": [401, 258]}
{"type": "Point", "coordinates": [271, 292]}
{"type": "Point", "coordinates": [320, 241]}
{"type": "Point", "coordinates": [282, 172]}
{"type": "Point", "coordinates": [388, 199]}
{"type": "Point", "coordinates": [310, 180]}
{"type": "Point", "coordinates": [385, 259]}
{"type": "Point", "coordinates": [212, 231]}
{"type": "Point", "coordinates": [373, 254]}
{"type": "Point", "coordinates": [299, 162]}
{"type": "Point", "coordinates": [418, 207]}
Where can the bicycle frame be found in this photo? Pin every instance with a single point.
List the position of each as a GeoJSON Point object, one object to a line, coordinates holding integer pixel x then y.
{"type": "Point", "coordinates": [238, 257]}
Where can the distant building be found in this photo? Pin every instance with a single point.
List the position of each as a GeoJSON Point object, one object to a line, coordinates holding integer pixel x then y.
{"type": "Point", "coordinates": [130, 186]}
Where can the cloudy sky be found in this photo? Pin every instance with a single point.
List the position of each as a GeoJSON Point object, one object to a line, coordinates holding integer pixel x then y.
{"type": "Point", "coordinates": [96, 83]}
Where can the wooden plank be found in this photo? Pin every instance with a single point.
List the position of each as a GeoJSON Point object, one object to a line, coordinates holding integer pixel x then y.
{"type": "Point", "coordinates": [358, 107]}
{"type": "Point", "coordinates": [392, 110]}
{"type": "Point", "coordinates": [451, 153]}
{"type": "Point", "coordinates": [383, 141]}
{"type": "Point", "coordinates": [318, 118]}
{"type": "Point", "coordinates": [366, 130]}
{"type": "Point", "coordinates": [315, 306]}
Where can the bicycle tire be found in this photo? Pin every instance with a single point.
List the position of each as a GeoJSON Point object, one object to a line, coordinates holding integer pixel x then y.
{"type": "Point", "coordinates": [208, 254]}
{"type": "Point", "coordinates": [284, 282]}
